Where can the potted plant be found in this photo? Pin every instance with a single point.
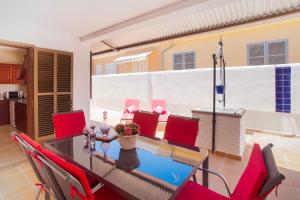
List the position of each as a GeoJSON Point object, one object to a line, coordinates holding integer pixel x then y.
{"type": "Point", "coordinates": [127, 135]}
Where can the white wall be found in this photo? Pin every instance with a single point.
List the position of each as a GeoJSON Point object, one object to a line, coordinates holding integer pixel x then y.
{"type": "Point", "coordinates": [45, 38]}
{"type": "Point", "coordinates": [252, 88]}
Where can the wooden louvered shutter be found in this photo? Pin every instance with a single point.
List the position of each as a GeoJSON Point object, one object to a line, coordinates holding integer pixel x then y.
{"type": "Point", "coordinates": [53, 88]}
{"type": "Point", "coordinates": [64, 82]}
{"type": "Point", "coordinates": [44, 92]}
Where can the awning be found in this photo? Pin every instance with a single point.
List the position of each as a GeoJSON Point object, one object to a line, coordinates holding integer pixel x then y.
{"type": "Point", "coordinates": [221, 15]}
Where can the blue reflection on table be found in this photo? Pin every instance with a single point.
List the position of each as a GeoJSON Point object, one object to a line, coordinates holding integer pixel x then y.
{"type": "Point", "coordinates": [158, 166]}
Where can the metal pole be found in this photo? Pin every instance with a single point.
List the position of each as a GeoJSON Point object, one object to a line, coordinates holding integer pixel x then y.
{"type": "Point", "coordinates": [224, 97]}
{"type": "Point", "coordinates": [214, 104]}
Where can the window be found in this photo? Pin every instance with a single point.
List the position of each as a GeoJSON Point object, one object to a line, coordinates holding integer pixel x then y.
{"type": "Point", "coordinates": [111, 68]}
{"type": "Point", "coordinates": [140, 65]}
{"type": "Point", "coordinates": [184, 60]}
{"type": "Point", "coordinates": [264, 53]}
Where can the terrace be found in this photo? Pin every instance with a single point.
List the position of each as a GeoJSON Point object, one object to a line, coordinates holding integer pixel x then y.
{"type": "Point", "coordinates": [98, 55]}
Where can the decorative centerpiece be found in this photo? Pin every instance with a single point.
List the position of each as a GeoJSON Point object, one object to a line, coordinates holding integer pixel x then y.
{"type": "Point", "coordinates": [127, 135]}
{"type": "Point", "coordinates": [128, 159]}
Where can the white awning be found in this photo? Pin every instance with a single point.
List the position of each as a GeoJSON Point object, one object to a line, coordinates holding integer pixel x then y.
{"type": "Point", "coordinates": [130, 58]}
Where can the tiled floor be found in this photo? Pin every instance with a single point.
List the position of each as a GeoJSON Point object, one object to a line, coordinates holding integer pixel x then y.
{"type": "Point", "coordinates": [17, 178]}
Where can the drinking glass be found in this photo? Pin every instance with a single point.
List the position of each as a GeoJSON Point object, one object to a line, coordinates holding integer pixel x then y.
{"type": "Point", "coordinates": [86, 136]}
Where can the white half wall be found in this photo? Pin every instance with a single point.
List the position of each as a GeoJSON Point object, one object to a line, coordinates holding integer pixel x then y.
{"type": "Point", "coordinates": [252, 88]}
{"type": "Point", "coordinates": [46, 38]}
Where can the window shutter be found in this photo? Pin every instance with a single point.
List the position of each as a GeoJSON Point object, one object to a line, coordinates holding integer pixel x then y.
{"type": "Point", "coordinates": [64, 70]}
{"type": "Point", "coordinates": [45, 72]}
{"type": "Point", "coordinates": [256, 54]}
{"type": "Point", "coordinates": [189, 60]}
{"type": "Point", "coordinates": [45, 111]}
{"type": "Point", "coordinates": [64, 82]}
{"type": "Point", "coordinates": [178, 61]}
{"type": "Point", "coordinates": [277, 52]}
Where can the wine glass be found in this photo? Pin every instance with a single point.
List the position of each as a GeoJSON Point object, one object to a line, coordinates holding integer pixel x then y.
{"type": "Point", "coordinates": [104, 130]}
{"type": "Point", "coordinates": [86, 136]}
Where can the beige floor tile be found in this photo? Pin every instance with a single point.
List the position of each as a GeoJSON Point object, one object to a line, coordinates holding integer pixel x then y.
{"type": "Point", "coordinates": [285, 192]}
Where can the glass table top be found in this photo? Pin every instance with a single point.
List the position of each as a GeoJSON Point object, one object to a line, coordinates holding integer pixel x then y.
{"type": "Point", "coordinates": [152, 164]}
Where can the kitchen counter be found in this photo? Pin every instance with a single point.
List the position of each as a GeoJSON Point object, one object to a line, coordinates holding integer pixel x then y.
{"type": "Point", "coordinates": [21, 101]}
{"type": "Point", "coordinates": [230, 130]}
{"type": "Point", "coordinates": [220, 111]}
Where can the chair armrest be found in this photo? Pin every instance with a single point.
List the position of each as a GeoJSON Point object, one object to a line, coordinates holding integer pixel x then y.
{"type": "Point", "coordinates": [219, 175]}
{"type": "Point", "coordinates": [97, 187]}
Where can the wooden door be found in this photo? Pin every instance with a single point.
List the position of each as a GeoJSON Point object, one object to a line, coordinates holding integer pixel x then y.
{"type": "Point", "coordinates": [53, 87]}
{"type": "Point", "coordinates": [5, 74]}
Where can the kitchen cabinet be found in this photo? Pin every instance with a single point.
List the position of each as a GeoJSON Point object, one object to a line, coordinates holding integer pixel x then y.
{"type": "Point", "coordinates": [21, 116]}
{"type": "Point", "coordinates": [4, 112]}
{"type": "Point", "coordinates": [5, 74]}
{"type": "Point", "coordinates": [11, 74]}
{"type": "Point", "coordinates": [16, 75]}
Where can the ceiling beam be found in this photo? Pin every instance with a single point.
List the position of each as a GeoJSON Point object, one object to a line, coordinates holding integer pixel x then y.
{"type": "Point", "coordinates": [198, 31]}
{"type": "Point", "coordinates": [109, 45]}
{"type": "Point", "coordinates": [178, 5]}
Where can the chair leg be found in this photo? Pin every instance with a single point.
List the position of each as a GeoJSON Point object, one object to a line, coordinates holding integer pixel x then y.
{"type": "Point", "coordinates": [47, 195]}
{"type": "Point", "coordinates": [194, 178]}
{"type": "Point", "coordinates": [38, 194]}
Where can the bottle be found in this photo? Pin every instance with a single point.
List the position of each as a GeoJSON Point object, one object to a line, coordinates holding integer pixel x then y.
{"type": "Point", "coordinates": [104, 126]}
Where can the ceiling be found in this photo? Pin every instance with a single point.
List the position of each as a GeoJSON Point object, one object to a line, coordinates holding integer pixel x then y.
{"type": "Point", "coordinates": [75, 17]}
{"type": "Point", "coordinates": [121, 23]}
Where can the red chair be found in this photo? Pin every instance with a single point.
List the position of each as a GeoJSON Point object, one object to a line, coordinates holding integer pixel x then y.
{"type": "Point", "coordinates": [251, 186]}
{"type": "Point", "coordinates": [68, 124]}
{"type": "Point", "coordinates": [73, 181]}
{"type": "Point", "coordinates": [131, 106]}
{"type": "Point", "coordinates": [147, 121]}
{"type": "Point", "coordinates": [160, 106]}
{"type": "Point", "coordinates": [182, 130]}
{"type": "Point", "coordinates": [31, 149]}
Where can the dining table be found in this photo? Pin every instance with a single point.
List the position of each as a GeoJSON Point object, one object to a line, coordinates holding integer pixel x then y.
{"type": "Point", "coordinates": [154, 169]}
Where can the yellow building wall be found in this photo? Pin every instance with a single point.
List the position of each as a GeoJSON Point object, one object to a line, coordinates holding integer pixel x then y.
{"type": "Point", "coordinates": [154, 61]}
{"type": "Point", "coordinates": [235, 46]}
{"type": "Point", "coordinates": [235, 43]}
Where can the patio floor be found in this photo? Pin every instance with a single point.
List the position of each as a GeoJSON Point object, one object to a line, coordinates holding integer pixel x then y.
{"type": "Point", "coordinates": [17, 178]}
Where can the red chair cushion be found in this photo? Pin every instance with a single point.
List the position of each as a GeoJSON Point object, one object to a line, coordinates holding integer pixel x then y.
{"type": "Point", "coordinates": [181, 130]}
{"type": "Point", "coordinates": [160, 110]}
{"type": "Point", "coordinates": [252, 178]}
{"type": "Point", "coordinates": [72, 169]}
{"type": "Point", "coordinates": [147, 122]}
{"type": "Point", "coordinates": [68, 124]}
{"type": "Point", "coordinates": [193, 190]}
{"type": "Point", "coordinates": [30, 141]}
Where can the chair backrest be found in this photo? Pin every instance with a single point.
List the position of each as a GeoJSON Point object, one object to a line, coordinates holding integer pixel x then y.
{"type": "Point", "coordinates": [274, 176]}
{"type": "Point", "coordinates": [68, 124]}
{"type": "Point", "coordinates": [147, 121]}
{"type": "Point", "coordinates": [131, 102]}
{"type": "Point", "coordinates": [158, 102]}
{"type": "Point", "coordinates": [253, 177]}
{"type": "Point", "coordinates": [71, 179]}
{"type": "Point", "coordinates": [182, 130]}
{"type": "Point", "coordinates": [31, 150]}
